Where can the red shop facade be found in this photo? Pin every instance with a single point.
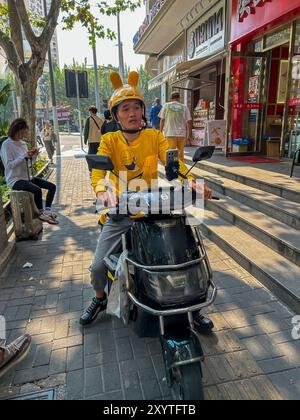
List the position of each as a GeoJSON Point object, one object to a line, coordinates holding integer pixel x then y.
{"type": "Point", "coordinates": [264, 100]}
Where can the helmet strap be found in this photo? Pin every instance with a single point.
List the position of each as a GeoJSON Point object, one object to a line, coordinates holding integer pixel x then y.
{"type": "Point", "coordinates": [131, 131]}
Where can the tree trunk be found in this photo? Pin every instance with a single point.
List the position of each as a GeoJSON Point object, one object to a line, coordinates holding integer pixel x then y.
{"type": "Point", "coordinates": [28, 106]}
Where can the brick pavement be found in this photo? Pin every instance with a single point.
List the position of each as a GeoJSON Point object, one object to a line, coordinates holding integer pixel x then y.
{"type": "Point", "coordinates": [251, 355]}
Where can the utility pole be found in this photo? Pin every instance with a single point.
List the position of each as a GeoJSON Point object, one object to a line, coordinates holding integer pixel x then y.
{"type": "Point", "coordinates": [97, 93]}
{"type": "Point", "coordinates": [53, 90]}
{"type": "Point", "coordinates": [78, 104]}
{"type": "Point", "coordinates": [120, 45]}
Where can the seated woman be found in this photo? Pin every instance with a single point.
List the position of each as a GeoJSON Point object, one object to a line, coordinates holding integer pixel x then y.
{"type": "Point", "coordinates": [15, 155]}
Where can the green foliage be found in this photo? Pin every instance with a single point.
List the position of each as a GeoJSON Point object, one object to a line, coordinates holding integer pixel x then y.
{"type": "Point", "coordinates": [38, 166]}
{"type": "Point", "coordinates": [4, 190]}
{"type": "Point", "coordinates": [5, 94]}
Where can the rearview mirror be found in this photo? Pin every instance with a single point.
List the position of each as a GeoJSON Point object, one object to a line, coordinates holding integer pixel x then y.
{"type": "Point", "coordinates": [204, 153]}
{"type": "Point", "coordinates": [100, 162]}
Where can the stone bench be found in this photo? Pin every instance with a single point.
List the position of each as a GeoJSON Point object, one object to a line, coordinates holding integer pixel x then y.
{"type": "Point", "coordinates": [25, 216]}
{"type": "Point", "coordinates": [6, 248]}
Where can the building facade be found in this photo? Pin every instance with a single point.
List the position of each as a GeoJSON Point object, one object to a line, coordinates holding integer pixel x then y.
{"type": "Point", "coordinates": [186, 46]}
{"type": "Point", "coordinates": [265, 78]}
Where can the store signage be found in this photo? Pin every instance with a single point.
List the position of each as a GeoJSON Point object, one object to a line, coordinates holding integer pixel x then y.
{"type": "Point", "coordinates": [248, 106]}
{"type": "Point", "coordinates": [149, 18]}
{"type": "Point", "coordinates": [253, 93]}
{"type": "Point", "coordinates": [207, 36]}
{"type": "Point", "coordinates": [247, 7]}
{"type": "Point", "coordinates": [63, 113]}
{"type": "Point", "coordinates": [217, 132]}
{"type": "Point", "coordinates": [294, 102]}
{"type": "Point", "coordinates": [250, 17]}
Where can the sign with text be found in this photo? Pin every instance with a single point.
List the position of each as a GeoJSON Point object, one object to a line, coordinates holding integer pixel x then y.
{"type": "Point", "coordinates": [207, 35]}
{"type": "Point", "coordinates": [251, 16]}
{"type": "Point", "coordinates": [217, 132]}
{"type": "Point", "coordinates": [248, 106]}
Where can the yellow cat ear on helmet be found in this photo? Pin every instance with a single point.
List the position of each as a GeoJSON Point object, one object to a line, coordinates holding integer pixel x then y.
{"type": "Point", "coordinates": [116, 80]}
{"type": "Point", "coordinates": [125, 92]}
{"type": "Point", "coordinates": [133, 78]}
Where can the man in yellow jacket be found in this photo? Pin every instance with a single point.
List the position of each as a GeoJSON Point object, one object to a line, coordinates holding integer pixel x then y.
{"type": "Point", "coordinates": [135, 152]}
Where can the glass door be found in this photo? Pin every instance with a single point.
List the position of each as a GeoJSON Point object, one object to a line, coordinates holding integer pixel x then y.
{"type": "Point", "coordinates": [292, 129]}
{"type": "Point", "coordinates": [248, 101]}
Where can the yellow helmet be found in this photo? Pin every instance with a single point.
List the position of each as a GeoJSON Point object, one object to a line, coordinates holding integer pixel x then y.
{"type": "Point", "coordinates": [124, 92]}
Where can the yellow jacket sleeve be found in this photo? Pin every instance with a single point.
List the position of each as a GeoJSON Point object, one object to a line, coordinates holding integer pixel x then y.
{"type": "Point", "coordinates": [163, 148]}
{"type": "Point", "coordinates": [98, 176]}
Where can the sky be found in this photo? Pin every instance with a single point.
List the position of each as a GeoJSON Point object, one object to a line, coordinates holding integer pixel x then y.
{"type": "Point", "coordinates": [75, 44]}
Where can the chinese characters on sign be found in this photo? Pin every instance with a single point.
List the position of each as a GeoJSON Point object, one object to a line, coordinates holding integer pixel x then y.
{"type": "Point", "coordinates": [247, 7]}
{"type": "Point", "coordinates": [294, 102]}
{"type": "Point", "coordinates": [253, 93]}
{"type": "Point", "coordinates": [248, 106]}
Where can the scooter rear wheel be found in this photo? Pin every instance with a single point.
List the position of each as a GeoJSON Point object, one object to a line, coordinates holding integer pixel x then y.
{"type": "Point", "coordinates": [189, 386]}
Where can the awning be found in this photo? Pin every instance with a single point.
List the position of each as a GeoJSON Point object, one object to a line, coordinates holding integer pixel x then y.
{"type": "Point", "coordinates": [162, 78]}
{"type": "Point", "coordinates": [199, 63]}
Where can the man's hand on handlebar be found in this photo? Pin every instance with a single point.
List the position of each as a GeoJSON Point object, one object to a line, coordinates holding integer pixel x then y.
{"type": "Point", "coordinates": [107, 198]}
{"type": "Point", "coordinates": [198, 187]}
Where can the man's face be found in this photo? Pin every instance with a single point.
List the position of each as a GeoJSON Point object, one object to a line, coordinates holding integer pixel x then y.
{"type": "Point", "coordinates": [130, 114]}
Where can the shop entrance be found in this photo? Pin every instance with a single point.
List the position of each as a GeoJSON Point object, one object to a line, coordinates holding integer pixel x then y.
{"type": "Point", "coordinates": [248, 101]}
{"type": "Point", "coordinates": [278, 82]}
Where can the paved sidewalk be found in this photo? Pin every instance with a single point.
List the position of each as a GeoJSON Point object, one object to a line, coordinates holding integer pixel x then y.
{"type": "Point", "coordinates": [251, 356]}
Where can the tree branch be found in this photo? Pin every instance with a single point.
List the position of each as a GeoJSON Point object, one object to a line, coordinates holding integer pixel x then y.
{"type": "Point", "coordinates": [15, 28]}
{"type": "Point", "coordinates": [24, 18]}
{"type": "Point", "coordinates": [10, 51]}
{"type": "Point", "coordinates": [51, 23]}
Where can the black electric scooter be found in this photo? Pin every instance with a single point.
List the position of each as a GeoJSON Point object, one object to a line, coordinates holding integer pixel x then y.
{"type": "Point", "coordinates": [168, 279]}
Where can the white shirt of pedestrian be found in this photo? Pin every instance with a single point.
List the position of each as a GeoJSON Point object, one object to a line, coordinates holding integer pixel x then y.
{"type": "Point", "coordinates": [176, 116]}
{"type": "Point", "coordinates": [13, 154]}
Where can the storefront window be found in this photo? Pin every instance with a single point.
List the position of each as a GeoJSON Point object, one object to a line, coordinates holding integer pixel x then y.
{"type": "Point", "coordinates": [258, 45]}
{"type": "Point", "coordinates": [277, 38]}
{"type": "Point", "coordinates": [292, 134]}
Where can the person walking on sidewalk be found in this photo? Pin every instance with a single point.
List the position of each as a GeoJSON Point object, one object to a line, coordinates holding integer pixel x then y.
{"type": "Point", "coordinates": [154, 114]}
{"type": "Point", "coordinates": [49, 138]}
{"type": "Point", "coordinates": [15, 157]}
{"type": "Point", "coordinates": [92, 132]}
{"type": "Point", "coordinates": [136, 151]}
{"type": "Point", "coordinates": [14, 353]}
{"type": "Point", "coordinates": [175, 120]}
{"type": "Point", "coordinates": [110, 125]}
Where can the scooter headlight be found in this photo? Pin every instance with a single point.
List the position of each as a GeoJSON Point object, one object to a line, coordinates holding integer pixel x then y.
{"type": "Point", "coordinates": [176, 288]}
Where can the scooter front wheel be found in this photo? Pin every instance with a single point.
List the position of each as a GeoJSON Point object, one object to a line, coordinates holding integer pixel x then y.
{"type": "Point", "coordinates": [188, 385]}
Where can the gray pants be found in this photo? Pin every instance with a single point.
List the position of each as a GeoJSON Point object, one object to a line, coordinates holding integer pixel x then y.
{"type": "Point", "coordinates": [50, 149]}
{"type": "Point", "coordinates": [109, 242]}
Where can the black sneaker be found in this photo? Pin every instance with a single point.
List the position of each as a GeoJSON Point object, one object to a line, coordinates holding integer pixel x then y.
{"type": "Point", "coordinates": [91, 313]}
{"type": "Point", "coordinates": [203, 324]}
